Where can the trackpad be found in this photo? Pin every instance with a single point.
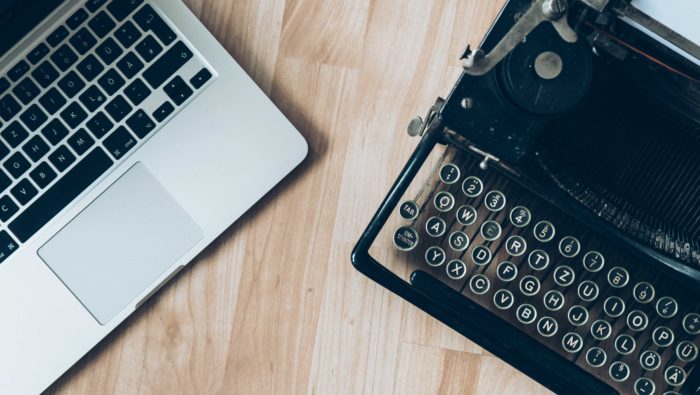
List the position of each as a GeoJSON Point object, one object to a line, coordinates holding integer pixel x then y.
{"type": "Point", "coordinates": [121, 243]}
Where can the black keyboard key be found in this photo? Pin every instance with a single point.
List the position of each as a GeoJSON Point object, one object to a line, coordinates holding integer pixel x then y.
{"type": "Point", "coordinates": [57, 36]}
{"type": "Point", "coordinates": [93, 5]}
{"type": "Point", "coordinates": [7, 245]}
{"type": "Point", "coordinates": [5, 181]}
{"type": "Point", "coordinates": [130, 65]}
{"type": "Point", "coordinates": [60, 194]}
{"type": "Point", "coordinates": [18, 70]}
{"type": "Point", "coordinates": [62, 158]}
{"type": "Point", "coordinates": [4, 85]}
{"type": "Point", "coordinates": [54, 131]}
{"type": "Point", "coordinates": [122, 8]}
{"type": "Point", "coordinates": [9, 107]}
{"type": "Point", "coordinates": [102, 24]}
{"type": "Point", "coordinates": [14, 134]}
{"type": "Point", "coordinates": [38, 53]}
{"type": "Point", "coordinates": [200, 78]}
{"type": "Point", "coordinates": [178, 90]}
{"type": "Point", "coordinates": [8, 208]}
{"type": "Point", "coordinates": [140, 123]}
{"type": "Point", "coordinates": [118, 108]}
{"type": "Point", "coordinates": [71, 84]}
{"type": "Point", "coordinates": [24, 191]}
{"type": "Point", "coordinates": [90, 67]}
{"type": "Point", "coordinates": [137, 92]}
{"type": "Point", "coordinates": [119, 142]}
{"type": "Point", "coordinates": [127, 34]}
{"type": "Point", "coordinates": [26, 91]}
{"type": "Point", "coordinates": [163, 111]}
{"type": "Point", "coordinates": [92, 98]}
{"type": "Point", "coordinates": [45, 74]}
{"type": "Point", "coordinates": [43, 175]}
{"type": "Point", "coordinates": [149, 20]}
{"type": "Point", "coordinates": [109, 51]}
{"type": "Point", "coordinates": [148, 48]}
{"type": "Point", "coordinates": [73, 115]}
{"type": "Point", "coordinates": [33, 117]}
{"type": "Point", "coordinates": [76, 19]}
{"type": "Point", "coordinates": [52, 101]}
{"type": "Point", "coordinates": [83, 41]}
{"type": "Point", "coordinates": [4, 151]}
{"type": "Point", "coordinates": [99, 125]}
{"type": "Point", "coordinates": [17, 165]}
{"type": "Point", "coordinates": [111, 81]}
{"type": "Point", "coordinates": [64, 57]}
{"type": "Point", "coordinates": [35, 148]}
{"type": "Point", "coordinates": [167, 65]}
{"type": "Point", "coordinates": [80, 141]}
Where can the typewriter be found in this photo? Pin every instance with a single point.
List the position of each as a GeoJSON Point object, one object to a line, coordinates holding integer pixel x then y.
{"type": "Point", "coordinates": [551, 211]}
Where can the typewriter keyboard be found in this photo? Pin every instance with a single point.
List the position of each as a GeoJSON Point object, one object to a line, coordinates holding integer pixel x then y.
{"type": "Point", "coordinates": [528, 262]}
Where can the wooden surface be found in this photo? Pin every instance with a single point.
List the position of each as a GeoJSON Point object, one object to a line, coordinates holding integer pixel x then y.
{"type": "Point", "coordinates": [274, 306]}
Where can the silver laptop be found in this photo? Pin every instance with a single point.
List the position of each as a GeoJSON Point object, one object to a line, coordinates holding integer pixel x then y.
{"type": "Point", "coordinates": [129, 140]}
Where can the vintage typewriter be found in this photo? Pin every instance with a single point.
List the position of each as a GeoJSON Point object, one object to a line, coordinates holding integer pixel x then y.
{"type": "Point", "coordinates": [551, 211]}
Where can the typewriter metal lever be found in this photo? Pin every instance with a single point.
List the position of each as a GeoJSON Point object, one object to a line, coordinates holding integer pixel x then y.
{"type": "Point", "coordinates": [477, 63]}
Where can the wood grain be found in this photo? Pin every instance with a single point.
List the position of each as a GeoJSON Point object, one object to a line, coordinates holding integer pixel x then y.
{"type": "Point", "coordinates": [274, 306]}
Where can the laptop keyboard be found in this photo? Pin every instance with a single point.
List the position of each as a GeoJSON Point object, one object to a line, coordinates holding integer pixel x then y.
{"type": "Point", "coordinates": [80, 101]}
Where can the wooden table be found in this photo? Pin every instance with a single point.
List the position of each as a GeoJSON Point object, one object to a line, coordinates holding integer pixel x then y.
{"type": "Point", "coordinates": [274, 306]}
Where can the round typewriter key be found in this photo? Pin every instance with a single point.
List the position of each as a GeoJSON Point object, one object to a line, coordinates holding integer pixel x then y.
{"type": "Point", "coordinates": [686, 351]}
{"type": "Point", "coordinates": [595, 357]}
{"type": "Point", "coordinates": [520, 216]}
{"type": "Point", "coordinates": [472, 186]}
{"type": "Point", "coordinates": [577, 315]}
{"type": "Point", "coordinates": [618, 277]}
{"type": "Point", "coordinates": [650, 360]}
{"type": "Point", "coordinates": [593, 261]}
{"type": "Point", "coordinates": [614, 306]}
{"type": "Point", "coordinates": [572, 342]}
{"type": "Point", "coordinates": [691, 323]}
{"type": "Point", "coordinates": [479, 284]}
{"type": "Point", "coordinates": [435, 226]}
{"type": "Point", "coordinates": [547, 326]}
{"type": "Point", "coordinates": [643, 292]}
{"type": "Point", "coordinates": [409, 210]}
{"type": "Point", "coordinates": [674, 376]}
{"type": "Point", "coordinates": [507, 271]}
{"type": "Point", "coordinates": [588, 290]}
{"type": "Point", "coordinates": [495, 201]}
{"type": "Point", "coordinates": [544, 231]}
{"type": "Point", "coordinates": [553, 300]}
{"type": "Point", "coordinates": [637, 320]}
{"type": "Point", "coordinates": [671, 393]}
{"type": "Point", "coordinates": [435, 256]}
{"type": "Point", "coordinates": [569, 246]}
{"type": "Point", "coordinates": [619, 371]}
{"type": "Point", "coordinates": [466, 215]}
{"type": "Point", "coordinates": [625, 344]}
{"type": "Point", "coordinates": [459, 241]}
{"type": "Point", "coordinates": [601, 329]}
{"type": "Point", "coordinates": [444, 201]}
{"type": "Point", "coordinates": [516, 245]}
{"type": "Point", "coordinates": [406, 238]}
{"type": "Point", "coordinates": [456, 269]}
{"type": "Point", "coordinates": [564, 276]}
{"type": "Point", "coordinates": [662, 336]}
{"type": "Point", "coordinates": [503, 299]}
{"type": "Point", "coordinates": [666, 307]}
{"type": "Point", "coordinates": [481, 255]}
{"type": "Point", "coordinates": [449, 173]}
{"type": "Point", "coordinates": [526, 314]}
{"type": "Point", "coordinates": [490, 230]}
{"type": "Point", "coordinates": [538, 260]}
{"type": "Point", "coordinates": [529, 285]}
{"type": "Point", "coordinates": [644, 386]}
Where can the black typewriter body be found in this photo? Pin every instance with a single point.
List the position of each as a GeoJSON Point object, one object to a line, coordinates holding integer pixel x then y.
{"type": "Point", "coordinates": [552, 214]}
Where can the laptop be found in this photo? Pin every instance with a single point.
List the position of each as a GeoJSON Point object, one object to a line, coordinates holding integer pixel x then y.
{"type": "Point", "coordinates": [129, 140]}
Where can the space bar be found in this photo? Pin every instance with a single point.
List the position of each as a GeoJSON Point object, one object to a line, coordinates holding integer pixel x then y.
{"type": "Point", "coordinates": [89, 169]}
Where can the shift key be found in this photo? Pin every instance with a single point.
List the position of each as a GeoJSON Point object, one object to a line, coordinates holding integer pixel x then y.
{"type": "Point", "coordinates": [167, 65]}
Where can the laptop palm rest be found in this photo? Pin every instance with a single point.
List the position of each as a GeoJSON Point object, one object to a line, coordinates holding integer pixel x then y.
{"type": "Point", "coordinates": [121, 243]}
